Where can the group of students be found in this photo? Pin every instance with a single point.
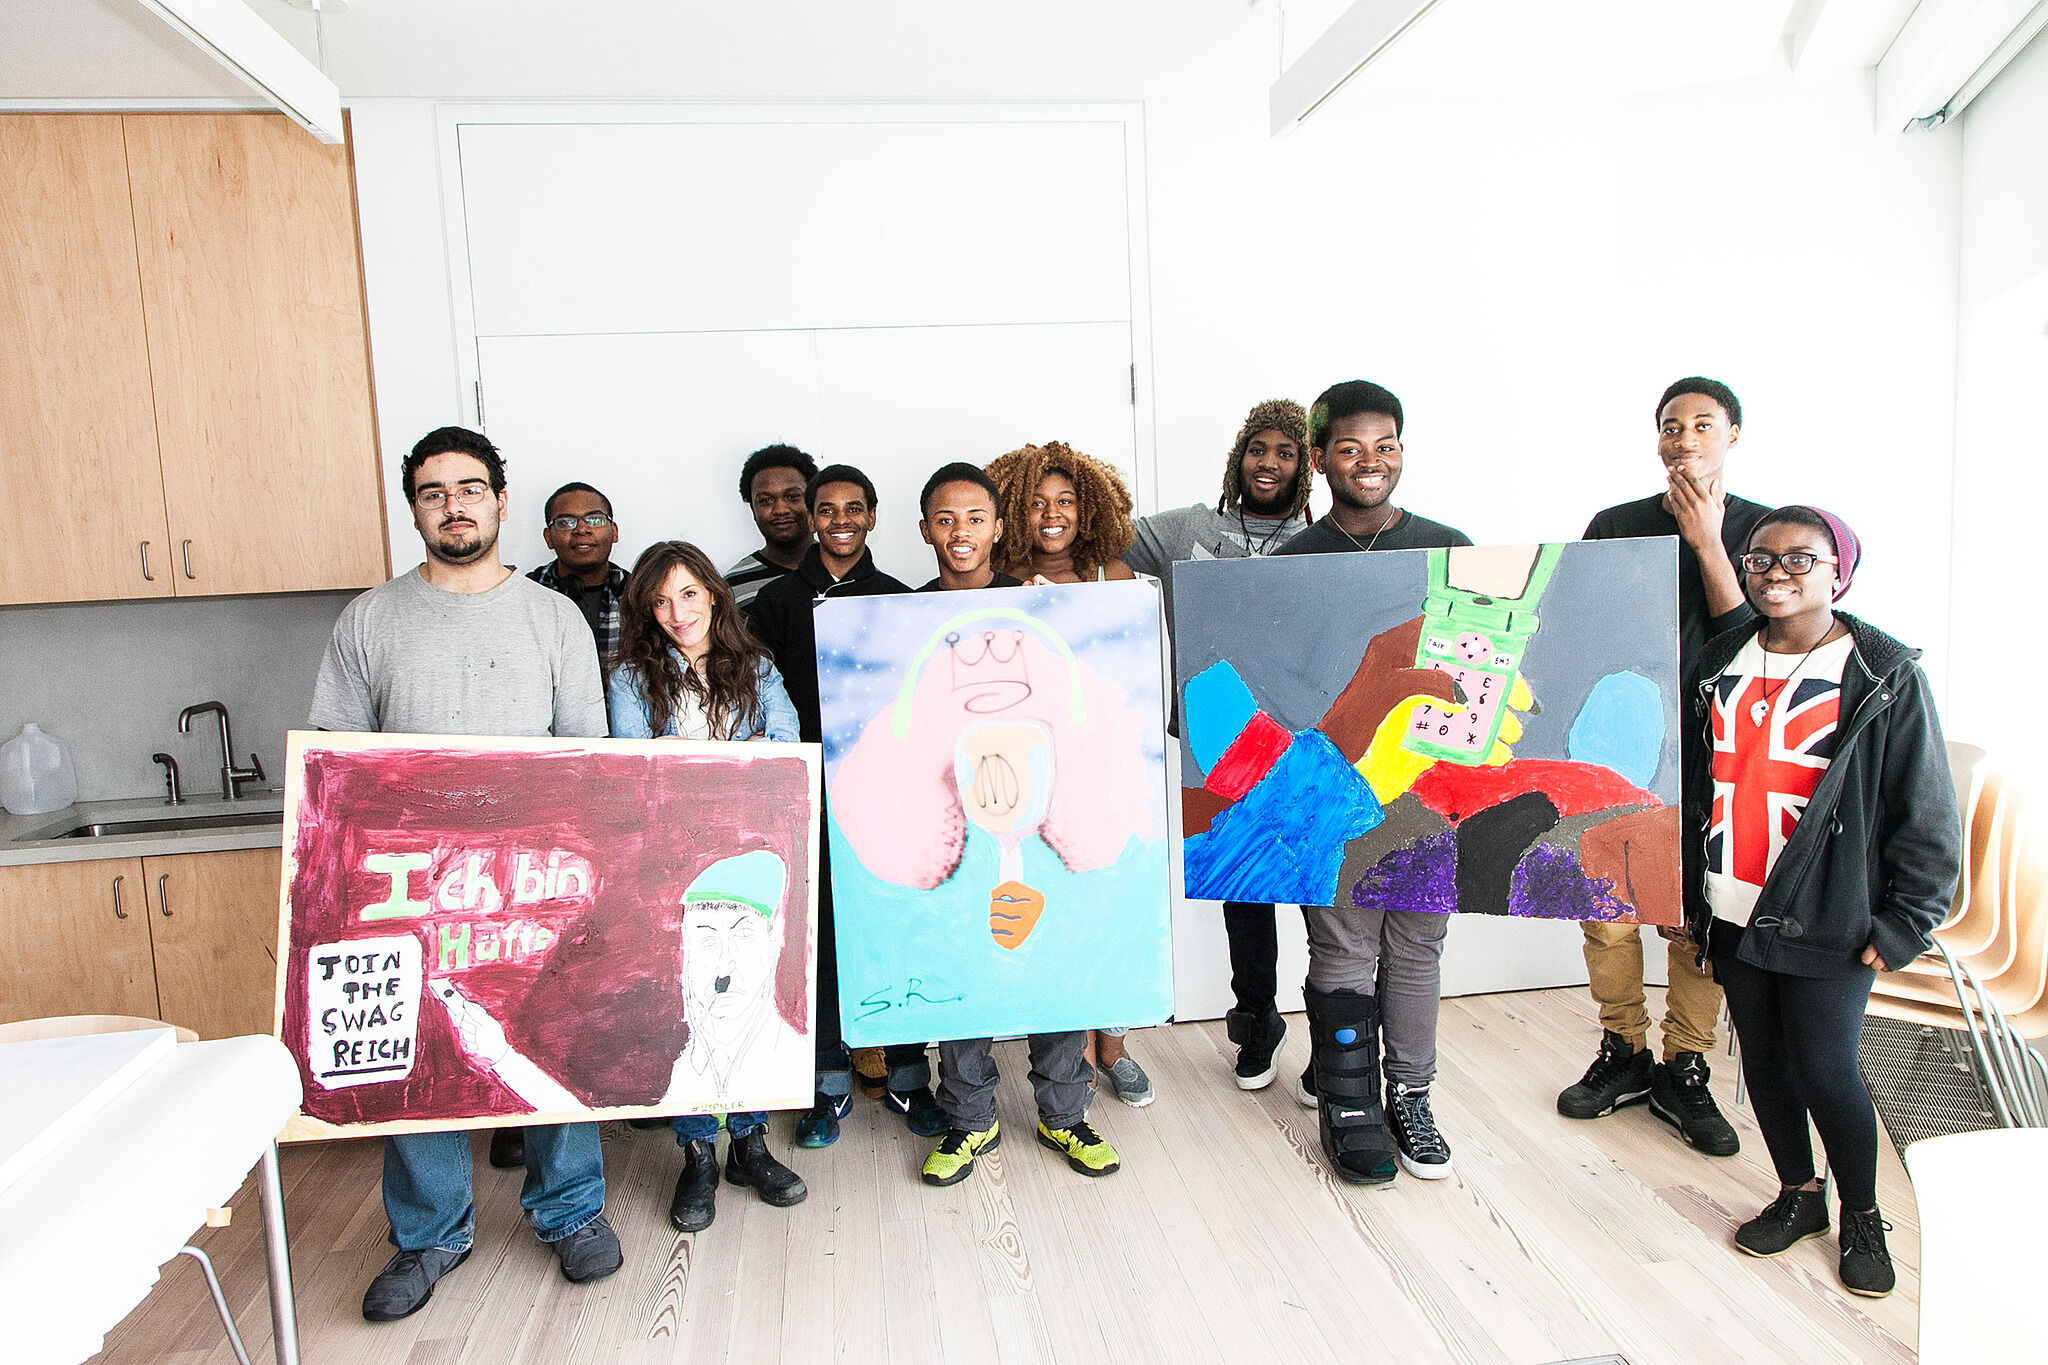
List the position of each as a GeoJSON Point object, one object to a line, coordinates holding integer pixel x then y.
{"type": "Point", "coordinates": [1822, 837]}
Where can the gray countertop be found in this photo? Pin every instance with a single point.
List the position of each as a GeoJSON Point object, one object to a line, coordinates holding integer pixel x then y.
{"type": "Point", "coordinates": [33, 838]}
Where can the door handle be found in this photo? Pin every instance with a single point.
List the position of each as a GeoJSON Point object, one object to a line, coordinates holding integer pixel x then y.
{"type": "Point", "coordinates": [119, 913]}
{"type": "Point", "coordinates": [188, 559]}
{"type": "Point", "coordinates": [163, 900]}
{"type": "Point", "coordinates": [147, 576]}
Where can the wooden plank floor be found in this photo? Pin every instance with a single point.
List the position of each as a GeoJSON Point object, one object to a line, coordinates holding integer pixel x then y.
{"type": "Point", "coordinates": [1223, 1238]}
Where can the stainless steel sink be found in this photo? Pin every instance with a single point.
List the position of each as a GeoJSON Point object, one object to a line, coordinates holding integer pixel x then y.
{"type": "Point", "coordinates": [176, 824]}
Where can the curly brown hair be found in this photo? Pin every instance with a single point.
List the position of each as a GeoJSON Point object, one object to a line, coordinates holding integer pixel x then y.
{"type": "Point", "coordinates": [1102, 529]}
{"type": "Point", "coordinates": [729, 688]}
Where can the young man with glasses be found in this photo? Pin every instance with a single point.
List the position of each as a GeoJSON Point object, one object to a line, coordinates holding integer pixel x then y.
{"type": "Point", "coordinates": [577, 525]}
{"type": "Point", "coordinates": [1698, 422]}
{"type": "Point", "coordinates": [462, 645]}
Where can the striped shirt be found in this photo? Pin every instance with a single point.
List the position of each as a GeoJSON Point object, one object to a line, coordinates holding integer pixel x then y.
{"type": "Point", "coordinates": [749, 576]}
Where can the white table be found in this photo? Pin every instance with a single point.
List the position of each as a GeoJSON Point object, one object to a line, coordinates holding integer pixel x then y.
{"type": "Point", "coordinates": [87, 1223]}
{"type": "Point", "coordinates": [1983, 1198]}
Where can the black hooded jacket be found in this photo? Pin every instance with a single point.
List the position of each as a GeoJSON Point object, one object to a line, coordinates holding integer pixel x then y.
{"type": "Point", "coordinates": [1876, 854]}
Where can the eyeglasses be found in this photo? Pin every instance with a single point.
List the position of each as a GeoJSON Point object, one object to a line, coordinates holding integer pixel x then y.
{"type": "Point", "coordinates": [596, 521]}
{"type": "Point", "coordinates": [1798, 563]}
{"type": "Point", "coordinates": [468, 495]}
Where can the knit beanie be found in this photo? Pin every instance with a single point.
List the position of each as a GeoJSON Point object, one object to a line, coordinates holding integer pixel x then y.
{"type": "Point", "coordinates": [1848, 549]}
{"type": "Point", "coordinates": [1287, 417]}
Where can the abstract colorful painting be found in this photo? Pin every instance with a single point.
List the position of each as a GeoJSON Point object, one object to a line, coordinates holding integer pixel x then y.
{"type": "Point", "coordinates": [482, 931]}
{"type": "Point", "coordinates": [996, 811]}
{"type": "Point", "coordinates": [1491, 730]}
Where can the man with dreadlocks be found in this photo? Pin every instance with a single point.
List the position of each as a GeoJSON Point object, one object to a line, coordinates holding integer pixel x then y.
{"type": "Point", "coordinates": [1266, 483]}
{"type": "Point", "coordinates": [1075, 514]}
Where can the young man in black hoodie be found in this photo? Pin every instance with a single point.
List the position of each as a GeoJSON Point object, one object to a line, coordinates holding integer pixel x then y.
{"type": "Point", "coordinates": [1698, 422]}
{"type": "Point", "coordinates": [840, 501]}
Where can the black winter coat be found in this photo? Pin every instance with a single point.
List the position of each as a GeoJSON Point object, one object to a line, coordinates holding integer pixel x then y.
{"type": "Point", "coordinates": [1876, 854]}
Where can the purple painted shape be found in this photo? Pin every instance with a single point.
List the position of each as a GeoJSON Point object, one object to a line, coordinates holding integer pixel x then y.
{"type": "Point", "coordinates": [1420, 876]}
{"type": "Point", "coordinates": [1550, 884]}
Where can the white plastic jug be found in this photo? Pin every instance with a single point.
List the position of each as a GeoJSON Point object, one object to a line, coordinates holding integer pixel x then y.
{"type": "Point", "coordinates": [36, 776]}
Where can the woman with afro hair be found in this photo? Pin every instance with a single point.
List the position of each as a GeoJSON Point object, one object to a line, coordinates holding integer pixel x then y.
{"type": "Point", "coordinates": [1073, 516]}
{"type": "Point", "coordinates": [1071, 512]}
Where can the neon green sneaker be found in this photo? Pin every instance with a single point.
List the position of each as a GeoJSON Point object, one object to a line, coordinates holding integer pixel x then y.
{"type": "Point", "coordinates": [952, 1161]}
{"type": "Point", "coordinates": [1087, 1150]}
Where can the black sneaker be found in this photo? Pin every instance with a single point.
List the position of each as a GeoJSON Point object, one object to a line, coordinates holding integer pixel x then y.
{"type": "Point", "coordinates": [1786, 1221]}
{"type": "Point", "coordinates": [1866, 1267]}
{"type": "Point", "coordinates": [1424, 1153]}
{"type": "Point", "coordinates": [1619, 1076]}
{"type": "Point", "coordinates": [508, 1149]}
{"type": "Point", "coordinates": [1258, 1038]}
{"type": "Point", "coordinates": [1305, 1087]}
{"type": "Point", "coordinates": [1679, 1096]}
{"type": "Point", "coordinates": [919, 1110]}
{"type": "Point", "coordinates": [405, 1284]}
{"type": "Point", "coordinates": [589, 1253]}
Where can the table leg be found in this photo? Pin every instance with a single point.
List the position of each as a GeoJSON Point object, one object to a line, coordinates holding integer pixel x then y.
{"type": "Point", "coordinates": [284, 1314]}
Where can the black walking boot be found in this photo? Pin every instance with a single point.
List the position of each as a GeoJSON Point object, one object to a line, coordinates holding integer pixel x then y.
{"type": "Point", "coordinates": [747, 1162]}
{"type": "Point", "coordinates": [1345, 1027]}
{"type": "Point", "coordinates": [696, 1198]}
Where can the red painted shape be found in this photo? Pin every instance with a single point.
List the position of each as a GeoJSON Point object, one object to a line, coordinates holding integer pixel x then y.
{"type": "Point", "coordinates": [1456, 792]}
{"type": "Point", "coordinates": [1255, 750]}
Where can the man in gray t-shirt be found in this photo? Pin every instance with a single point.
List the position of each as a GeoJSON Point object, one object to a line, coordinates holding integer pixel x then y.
{"type": "Point", "coordinates": [463, 645]}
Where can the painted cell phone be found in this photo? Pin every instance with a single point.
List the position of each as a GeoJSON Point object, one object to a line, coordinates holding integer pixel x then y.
{"type": "Point", "coordinates": [1476, 625]}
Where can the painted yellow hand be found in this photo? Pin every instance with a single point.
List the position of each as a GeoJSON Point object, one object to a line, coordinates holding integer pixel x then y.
{"type": "Point", "coordinates": [1389, 768]}
{"type": "Point", "coordinates": [1520, 700]}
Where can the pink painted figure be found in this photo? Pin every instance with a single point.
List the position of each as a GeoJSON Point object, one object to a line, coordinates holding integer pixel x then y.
{"type": "Point", "coordinates": [1002, 727]}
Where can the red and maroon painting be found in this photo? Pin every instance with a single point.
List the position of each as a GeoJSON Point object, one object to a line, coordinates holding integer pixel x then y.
{"type": "Point", "coordinates": [478, 931]}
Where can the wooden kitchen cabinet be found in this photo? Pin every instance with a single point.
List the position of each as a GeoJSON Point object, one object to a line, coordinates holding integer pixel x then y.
{"type": "Point", "coordinates": [79, 477]}
{"type": "Point", "coordinates": [213, 924]}
{"type": "Point", "coordinates": [194, 941]}
{"type": "Point", "coordinates": [74, 939]}
{"type": "Point", "coordinates": [185, 400]}
{"type": "Point", "coordinates": [245, 228]}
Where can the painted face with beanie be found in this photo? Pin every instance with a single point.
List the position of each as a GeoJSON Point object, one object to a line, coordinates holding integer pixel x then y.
{"type": "Point", "coordinates": [732, 936]}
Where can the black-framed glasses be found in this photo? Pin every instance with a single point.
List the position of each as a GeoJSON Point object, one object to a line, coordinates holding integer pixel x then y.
{"type": "Point", "coordinates": [596, 521]}
{"type": "Point", "coordinates": [468, 495]}
{"type": "Point", "coordinates": [1798, 563]}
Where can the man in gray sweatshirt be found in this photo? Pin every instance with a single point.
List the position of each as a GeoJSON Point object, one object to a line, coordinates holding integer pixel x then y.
{"type": "Point", "coordinates": [1266, 483]}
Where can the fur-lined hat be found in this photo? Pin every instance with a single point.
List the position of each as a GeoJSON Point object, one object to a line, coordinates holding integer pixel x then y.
{"type": "Point", "coordinates": [1285, 416]}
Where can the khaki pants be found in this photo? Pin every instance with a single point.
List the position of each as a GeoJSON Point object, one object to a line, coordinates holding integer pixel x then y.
{"type": "Point", "coordinates": [1692, 1004]}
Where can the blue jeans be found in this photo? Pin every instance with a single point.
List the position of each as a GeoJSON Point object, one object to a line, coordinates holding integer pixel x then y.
{"type": "Point", "coordinates": [704, 1127]}
{"type": "Point", "coordinates": [427, 1194]}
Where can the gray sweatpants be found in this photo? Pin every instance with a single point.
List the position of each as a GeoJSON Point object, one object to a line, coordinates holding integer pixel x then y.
{"type": "Point", "coordinates": [1059, 1080]}
{"type": "Point", "coordinates": [1396, 953]}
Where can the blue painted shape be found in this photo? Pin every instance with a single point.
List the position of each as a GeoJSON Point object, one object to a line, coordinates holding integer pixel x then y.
{"type": "Point", "coordinates": [1284, 841]}
{"type": "Point", "coordinates": [1621, 726]}
{"type": "Point", "coordinates": [1346, 1036]}
{"type": "Point", "coordinates": [1218, 706]}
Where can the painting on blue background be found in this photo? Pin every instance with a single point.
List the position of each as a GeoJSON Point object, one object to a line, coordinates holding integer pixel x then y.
{"type": "Point", "coordinates": [996, 811]}
{"type": "Point", "coordinates": [1488, 729]}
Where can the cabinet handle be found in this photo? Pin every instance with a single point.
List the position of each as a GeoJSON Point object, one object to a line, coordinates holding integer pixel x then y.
{"type": "Point", "coordinates": [163, 901]}
{"type": "Point", "coordinates": [119, 913]}
{"type": "Point", "coordinates": [188, 559]}
{"type": "Point", "coordinates": [147, 576]}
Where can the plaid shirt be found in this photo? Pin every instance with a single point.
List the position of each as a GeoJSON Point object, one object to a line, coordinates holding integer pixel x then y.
{"type": "Point", "coordinates": [599, 605]}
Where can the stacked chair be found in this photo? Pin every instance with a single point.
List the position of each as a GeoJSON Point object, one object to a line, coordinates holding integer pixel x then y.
{"type": "Point", "coordinates": [1987, 974]}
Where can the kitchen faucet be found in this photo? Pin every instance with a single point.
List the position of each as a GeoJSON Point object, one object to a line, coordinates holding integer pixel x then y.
{"type": "Point", "coordinates": [231, 777]}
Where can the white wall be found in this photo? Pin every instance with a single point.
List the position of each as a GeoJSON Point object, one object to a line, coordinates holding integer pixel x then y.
{"type": "Point", "coordinates": [1527, 275]}
{"type": "Point", "coordinates": [2001, 473]}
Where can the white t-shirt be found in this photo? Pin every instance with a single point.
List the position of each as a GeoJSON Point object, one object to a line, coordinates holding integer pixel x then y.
{"type": "Point", "coordinates": [1776, 718]}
